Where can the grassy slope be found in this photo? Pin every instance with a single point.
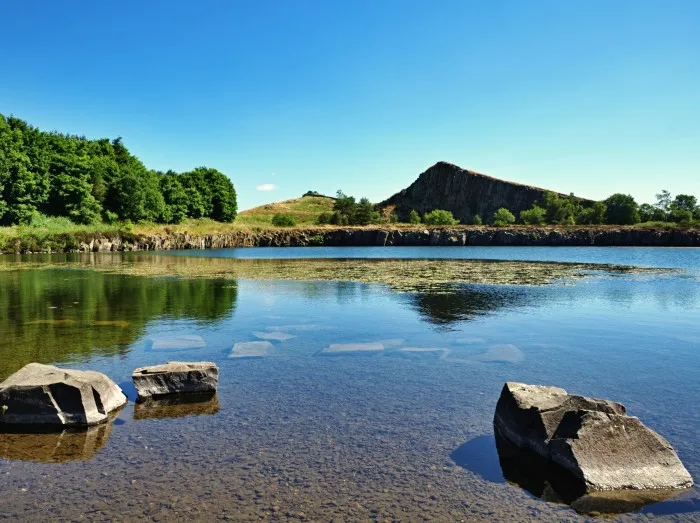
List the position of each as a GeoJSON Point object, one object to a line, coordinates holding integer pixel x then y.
{"type": "Point", "coordinates": [305, 210]}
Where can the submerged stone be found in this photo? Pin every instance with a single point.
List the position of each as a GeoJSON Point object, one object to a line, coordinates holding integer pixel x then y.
{"type": "Point", "coordinates": [506, 353]}
{"type": "Point", "coordinates": [592, 439]}
{"type": "Point", "coordinates": [176, 377]}
{"type": "Point", "coordinates": [46, 395]}
{"type": "Point", "coordinates": [183, 342]}
{"type": "Point", "coordinates": [276, 336]}
{"type": "Point", "coordinates": [340, 349]}
{"type": "Point", "coordinates": [251, 349]}
{"type": "Point", "coordinates": [418, 353]}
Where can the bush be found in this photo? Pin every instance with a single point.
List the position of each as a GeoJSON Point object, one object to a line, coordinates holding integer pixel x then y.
{"type": "Point", "coordinates": [439, 217]}
{"type": "Point", "coordinates": [414, 217]}
{"type": "Point", "coordinates": [503, 217]}
{"type": "Point", "coordinates": [535, 216]}
{"type": "Point", "coordinates": [477, 220]}
{"type": "Point", "coordinates": [622, 210]}
{"type": "Point", "coordinates": [682, 216]}
{"type": "Point", "coordinates": [324, 218]}
{"type": "Point", "coordinates": [311, 193]}
{"type": "Point", "coordinates": [283, 220]}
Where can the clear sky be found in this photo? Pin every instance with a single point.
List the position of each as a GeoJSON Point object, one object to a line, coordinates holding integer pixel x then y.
{"type": "Point", "coordinates": [591, 97]}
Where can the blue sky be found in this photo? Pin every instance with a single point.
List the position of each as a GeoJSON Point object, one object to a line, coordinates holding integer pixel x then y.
{"type": "Point", "coordinates": [588, 97]}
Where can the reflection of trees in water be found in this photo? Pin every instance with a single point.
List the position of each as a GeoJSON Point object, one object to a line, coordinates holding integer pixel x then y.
{"type": "Point", "coordinates": [49, 316]}
{"type": "Point", "coordinates": [464, 303]}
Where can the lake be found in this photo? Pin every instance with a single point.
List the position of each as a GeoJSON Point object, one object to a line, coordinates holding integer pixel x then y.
{"type": "Point", "coordinates": [355, 383]}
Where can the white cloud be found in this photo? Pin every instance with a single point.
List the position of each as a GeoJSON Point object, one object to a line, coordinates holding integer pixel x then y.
{"type": "Point", "coordinates": [267, 187]}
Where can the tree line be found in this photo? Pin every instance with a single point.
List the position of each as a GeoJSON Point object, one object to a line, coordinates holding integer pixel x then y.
{"type": "Point", "coordinates": [89, 181]}
{"type": "Point", "coordinates": [556, 209]}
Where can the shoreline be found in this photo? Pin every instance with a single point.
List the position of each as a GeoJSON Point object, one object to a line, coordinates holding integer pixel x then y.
{"type": "Point", "coordinates": [375, 236]}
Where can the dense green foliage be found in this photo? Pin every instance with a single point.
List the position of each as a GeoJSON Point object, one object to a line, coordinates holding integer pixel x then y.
{"type": "Point", "coordinates": [439, 217]}
{"type": "Point", "coordinates": [535, 216]}
{"type": "Point", "coordinates": [89, 181]}
{"type": "Point", "coordinates": [622, 210]}
{"type": "Point", "coordinates": [503, 217]}
{"type": "Point", "coordinates": [347, 211]}
{"type": "Point", "coordinates": [414, 217]}
{"type": "Point", "coordinates": [283, 220]}
{"type": "Point", "coordinates": [476, 220]}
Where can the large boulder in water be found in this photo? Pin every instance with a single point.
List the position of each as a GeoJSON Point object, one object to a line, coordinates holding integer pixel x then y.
{"type": "Point", "coordinates": [593, 439]}
{"type": "Point", "coordinates": [46, 395]}
{"type": "Point", "coordinates": [176, 377]}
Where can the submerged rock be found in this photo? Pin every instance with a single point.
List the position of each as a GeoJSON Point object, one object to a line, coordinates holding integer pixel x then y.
{"type": "Point", "coordinates": [46, 395]}
{"type": "Point", "coordinates": [592, 439]}
{"type": "Point", "coordinates": [251, 349]}
{"type": "Point", "coordinates": [176, 377]}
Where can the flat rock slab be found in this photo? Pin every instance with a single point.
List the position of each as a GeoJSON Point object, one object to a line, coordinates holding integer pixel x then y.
{"type": "Point", "coordinates": [275, 336]}
{"type": "Point", "coordinates": [593, 439]}
{"type": "Point", "coordinates": [418, 353]}
{"type": "Point", "coordinates": [46, 395]}
{"type": "Point", "coordinates": [176, 377]}
{"type": "Point", "coordinates": [251, 349]}
{"type": "Point", "coordinates": [343, 349]}
{"type": "Point", "coordinates": [183, 342]}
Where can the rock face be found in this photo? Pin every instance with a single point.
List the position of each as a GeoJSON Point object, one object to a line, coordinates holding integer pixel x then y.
{"type": "Point", "coordinates": [594, 440]}
{"type": "Point", "coordinates": [176, 377]}
{"type": "Point", "coordinates": [47, 395]}
{"type": "Point", "coordinates": [464, 193]}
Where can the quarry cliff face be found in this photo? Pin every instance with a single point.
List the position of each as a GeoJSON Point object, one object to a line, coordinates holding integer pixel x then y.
{"type": "Point", "coordinates": [464, 193]}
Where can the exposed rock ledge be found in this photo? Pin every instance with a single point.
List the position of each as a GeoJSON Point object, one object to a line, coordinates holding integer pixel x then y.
{"type": "Point", "coordinates": [380, 236]}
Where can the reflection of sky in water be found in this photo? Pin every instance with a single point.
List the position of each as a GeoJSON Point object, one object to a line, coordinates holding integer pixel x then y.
{"type": "Point", "coordinates": [398, 412]}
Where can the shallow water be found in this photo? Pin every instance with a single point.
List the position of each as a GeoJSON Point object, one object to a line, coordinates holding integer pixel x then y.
{"type": "Point", "coordinates": [346, 400]}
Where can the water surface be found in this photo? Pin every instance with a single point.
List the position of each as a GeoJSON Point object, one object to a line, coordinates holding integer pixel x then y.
{"type": "Point", "coordinates": [356, 400]}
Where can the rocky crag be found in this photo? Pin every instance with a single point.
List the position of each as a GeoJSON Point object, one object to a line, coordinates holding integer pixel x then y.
{"type": "Point", "coordinates": [379, 236]}
{"type": "Point", "coordinates": [464, 193]}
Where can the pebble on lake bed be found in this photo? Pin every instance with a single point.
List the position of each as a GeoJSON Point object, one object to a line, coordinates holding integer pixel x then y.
{"type": "Point", "coordinates": [176, 377]}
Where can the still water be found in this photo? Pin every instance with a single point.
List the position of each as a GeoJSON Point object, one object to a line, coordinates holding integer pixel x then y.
{"type": "Point", "coordinates": [364, 401]}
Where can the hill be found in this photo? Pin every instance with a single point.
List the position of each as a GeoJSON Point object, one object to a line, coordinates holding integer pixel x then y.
{"type": "Point", "coordinates": [305, 210]}
{"type": "Point", "coordinates": [464, 193]}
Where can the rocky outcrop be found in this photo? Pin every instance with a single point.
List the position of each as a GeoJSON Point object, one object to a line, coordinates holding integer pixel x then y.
{"type": "Point", "coordinates": [46, 395]}
{"type": "Point", "coordinates": [464, 193]}
{"type": "Point", "coordinates": [553, 236]}
{"type": "Point", "coordinates": [594, 440]}
{"type": "Point", "coordinates": [176, 377]}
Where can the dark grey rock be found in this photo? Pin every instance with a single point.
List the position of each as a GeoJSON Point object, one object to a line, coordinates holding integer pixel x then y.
{"type": "Point", "coordinates": [47, 395]}
{"type": "Point", "coordinates": [593, 439]}
{"type": "Point", "coordinates": [176, 377]}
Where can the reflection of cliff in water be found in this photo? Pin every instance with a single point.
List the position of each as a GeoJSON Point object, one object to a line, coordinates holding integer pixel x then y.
{"type": "Point", "coordinates": [56, 315]}
{"type": "Point", "coordinates": [55, 447]}
{"type": "Point", "coordinates": [464, 303]}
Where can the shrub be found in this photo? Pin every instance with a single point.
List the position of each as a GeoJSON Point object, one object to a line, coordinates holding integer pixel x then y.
{"type": "Point", "coordinates": [503, 217]}
{"type": "Point", "coordinates": [283, 220]}
{"type": "Point", "coordinates": [414, 217]}
{"type": "Point", "coordinates": [535, 216]}
{"type": "Point", "coordinates": [439, 217]}
{"type": "Point", "coordinates": [622, 210]}
{"type": "Point", "coordinates": [477, 220]}
{"type": "Point", "coordinates": [324, 218]}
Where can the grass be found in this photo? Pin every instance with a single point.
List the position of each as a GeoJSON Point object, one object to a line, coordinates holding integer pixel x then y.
{"type": "Point", "coordinates": [305, 210]}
